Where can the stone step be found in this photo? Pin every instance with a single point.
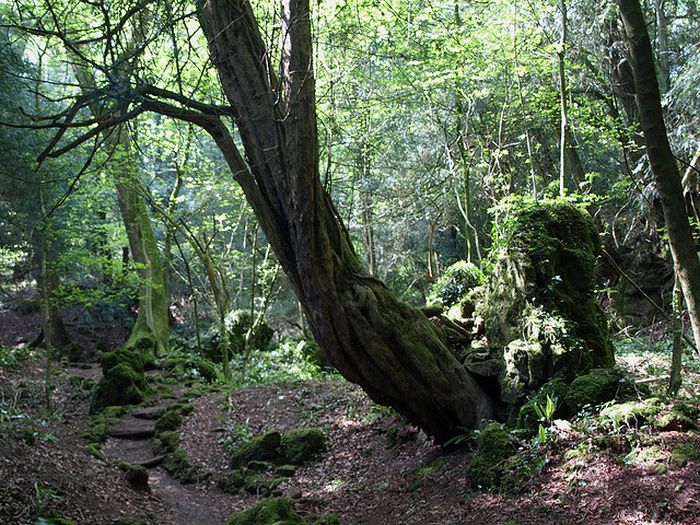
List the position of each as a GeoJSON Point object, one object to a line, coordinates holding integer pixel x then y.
{"type": "Point", "coordinates": [151, 462]}
{"type": "Point", "coordinates": [149, 412]}
{"type": "Point", "coordinates": [133, 429]}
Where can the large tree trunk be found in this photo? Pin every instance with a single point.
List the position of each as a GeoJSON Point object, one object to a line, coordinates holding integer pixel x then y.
{"type": "Point", "coordinates": [389, 348]}
{"type": "Point", "coordinates": [663, 163]}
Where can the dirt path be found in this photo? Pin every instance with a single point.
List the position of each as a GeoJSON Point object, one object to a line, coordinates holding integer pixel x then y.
{"type": "Point", "coordinates": [131, 440]}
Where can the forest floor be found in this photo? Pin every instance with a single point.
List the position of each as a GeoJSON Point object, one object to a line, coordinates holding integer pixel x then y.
{"type": "Point", "coordinates": [377, 470]}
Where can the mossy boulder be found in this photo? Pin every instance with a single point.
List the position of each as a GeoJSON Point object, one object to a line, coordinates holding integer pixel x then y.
{"type": "Point", "coordinates": [270, 511]}
{"type": "Point", "coordinates": [165, 442]}
{"type": "Point", "coordinates": [301, 446]}
{"type": "Point", "coordinates": [180, 467]}
{"type": "Point", "coordinates": [681, 416]}
{"type": "Point", "coordinates": [170, 420]}
{"type": "Point", "coordinates": [296, 447]}
{"type": "Point", "coordinates": [631, 414]}
{"type": "Point", "coordinates": [596, 387]}
{"type": "Point", "coordinates": [494, 446]}
{"type": "Point", "coordinates": [136, 476]}
{"type": "Point", "coordinates": [259, 448]}
{"type": "Point", "coordinates": [120, 385]}
{"type": "Point", "coordinates": [539, 307]}
{"type": "Point", "coordinates": [682, 453]}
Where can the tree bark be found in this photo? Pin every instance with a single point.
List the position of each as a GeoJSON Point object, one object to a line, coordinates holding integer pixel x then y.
{"type": "Point", "coordinates": [373, 339]}
{"type": "Point", "coordinates": [663, 164]}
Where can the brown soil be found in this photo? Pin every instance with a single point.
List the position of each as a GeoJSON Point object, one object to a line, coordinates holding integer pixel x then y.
{"type": "Point", "coordinates": [363, 478]}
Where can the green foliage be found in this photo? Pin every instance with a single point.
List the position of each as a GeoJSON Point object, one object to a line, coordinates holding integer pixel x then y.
{"type": "Point", "coordinates": [237, 324]}
{"type": "Point", "coordinates": [287, 362]}
{"type": "Point", "coordinates": [464, 435]}
{"type": "Point", "coordinates": [10, 356]}
{"type": "Point", "coordinates": [455, 283]}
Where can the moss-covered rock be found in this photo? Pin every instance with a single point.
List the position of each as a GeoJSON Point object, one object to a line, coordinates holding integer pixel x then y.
{"type": "Point", "coordinates": [259, 448]}
{"type": "Point", "coordinates": [285, 471]}
{"type": "Point", "coordinates": [95, 451]}
{"type": "Point", "coordinates": [486, 467]}
{"type": "Point", "coordinates": [683, 453]}
{"type": "Point", "coordinates": [136, 476]}
{"type": "Point", "coordinates": [123, 379]}
{"type": "Point", "coordinates": [301, 446]}
{"type": "Point", "coordinates": [165, 442]}
{"type": "Point", "coordinates": [681, 416]}
{"type": "Point", "coordinates": [180, 467]}
{"type": "Point", "coordinates": [539, 307]}
{"type": "Point", "coordinates": [631, 413]}
{"type": "Point", "coordinates": [596, 387]}
{"type": "Point", "coordinates": [271, 511]}
{"type": "Point", "coordinates": [170, 420]}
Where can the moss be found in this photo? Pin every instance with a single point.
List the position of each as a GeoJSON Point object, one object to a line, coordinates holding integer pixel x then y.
{"type": "Point", "coordinates": [54, 520]}
{"type": "Point", "coordinates": [426, 471]}
{"type": "Point", "coordinates": [238, 479]}
{"type": "Point", "coordinates": [97, 432]}
{"type": "Point", "coordinates": [593, 388]}
{"type": "Point", "coordinates": [165, 442]}
{"type": "Point", "coordinates": [84, 383]}
{"type": "Point", "coordinates": [647, 457]}
{"type": "Point", "coordinates": [170, 420]}
{"type": "Point", "coordinates": [260, 448]}
{"type": "Point", "coordinates": [95, 451]}
{"type": "Point", "coordinates": [683, 453]}
{"type": "Point", "coordinates": [123, 380]}
{"type": "Point", "coordinates": [136, 476]}
{"type": "Point", "coordinates": [258, 466]}
{"type": "Point", "coordinates": [302, 446]}
{"type": "Point", "coordinates": [487, 466]}
{"type": "Point", "coordinates": [527, 415]}
{"type": "Point", "coordinates": [285, 471]}
{"type": "Point", "coordinates": [271, 511]}
{"type": "Point", "coordinates": [681, 416]}
{"type": "Point", "coordinates": [180, 467]}
{"type": "Point", "coordinates": [184, 408]}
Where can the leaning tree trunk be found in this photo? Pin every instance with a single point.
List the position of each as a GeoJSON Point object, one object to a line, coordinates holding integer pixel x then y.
{"type": "Point", "coordinates": [387, 347]}
{"type": "Point", "coordinates": [663, 164]}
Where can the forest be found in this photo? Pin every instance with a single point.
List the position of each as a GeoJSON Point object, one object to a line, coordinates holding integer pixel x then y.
{"type": "Point", "coordinates": [282, 262]}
